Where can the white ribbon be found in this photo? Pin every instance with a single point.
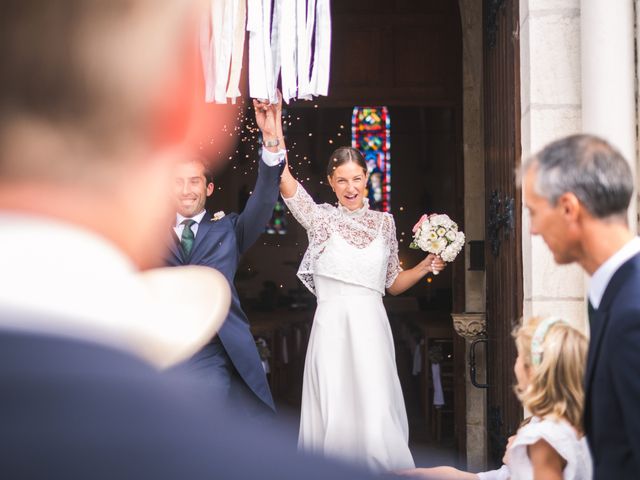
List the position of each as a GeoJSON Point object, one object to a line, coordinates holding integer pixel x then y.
{"type": "Point", "coordinates": [276, 25]}
{"type": "Point", "coordinates": [206, 54]}
{"type": "Point", "coordinates": [223, 22]}
{"type": "Point", "coordinates": [240, 19]}
{"type": "Point", "coordinates": [257, 62]}
{"type": "Point", "coordinates": [278, 47]}
{"type": "Point", "coordinates": [322, 54]}
{"type": "Point", "coordinates": [305, 20]}
{"type": "Point", "coordinates": [287, 43]}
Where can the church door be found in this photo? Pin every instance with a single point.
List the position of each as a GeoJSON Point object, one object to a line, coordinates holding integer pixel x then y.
{"type": "Point", "coordinates": [503, 206]}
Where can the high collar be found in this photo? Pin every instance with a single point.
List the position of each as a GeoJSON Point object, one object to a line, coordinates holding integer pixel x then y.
{"type": "Point", "coordinates": [357, 212]}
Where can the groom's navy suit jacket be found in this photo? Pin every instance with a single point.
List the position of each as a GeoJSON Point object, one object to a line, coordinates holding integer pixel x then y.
{"type": "Point", "coordinates": [219, 244]}
{"type": "Point", "coordinates": [612, 382]}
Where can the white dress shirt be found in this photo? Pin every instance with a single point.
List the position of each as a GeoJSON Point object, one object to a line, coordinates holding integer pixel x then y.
{"type": "Point", "coordinates": [62, 280]}
{"type": "Point", "coordinates": [273, 158]}
{"type": "Point", "coordinates": [71, 282]}
{"type": "Point", "coordinates": [602, 276]}
{"type": "Point", "coordinates": [179, 226]}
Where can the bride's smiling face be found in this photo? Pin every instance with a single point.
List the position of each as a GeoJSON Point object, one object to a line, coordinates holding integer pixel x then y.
{"type": "Point", "coordinates": [349, 182]}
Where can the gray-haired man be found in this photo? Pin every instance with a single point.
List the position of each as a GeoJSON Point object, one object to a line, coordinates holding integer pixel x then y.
{"type": "Point", "coordinates": [578, 190]}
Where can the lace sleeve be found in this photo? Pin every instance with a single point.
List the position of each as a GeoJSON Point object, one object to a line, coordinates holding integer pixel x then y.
{"type": "Point", "coordinates": [393, 264]}
{"type": "Point", "coordinates": [302, 206]}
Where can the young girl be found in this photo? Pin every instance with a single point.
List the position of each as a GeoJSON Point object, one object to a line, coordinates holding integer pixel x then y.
{"type": "Point", "coordinates": [550, 444]}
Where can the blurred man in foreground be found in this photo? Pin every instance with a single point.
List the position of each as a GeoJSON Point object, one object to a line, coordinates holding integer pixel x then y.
{"type": "Point", "coordinates": [92, 106]}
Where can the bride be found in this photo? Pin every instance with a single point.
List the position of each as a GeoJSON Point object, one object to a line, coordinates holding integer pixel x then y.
{"type": "Point", "coordinates": [352, 404]}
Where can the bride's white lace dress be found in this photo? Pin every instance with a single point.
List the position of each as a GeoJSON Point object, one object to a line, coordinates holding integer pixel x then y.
{"type": "Point", "coordinates": [352, 404]}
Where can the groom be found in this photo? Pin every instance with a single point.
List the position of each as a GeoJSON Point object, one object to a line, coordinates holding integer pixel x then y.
{"type": "Point", "coordinates": [230, 363]}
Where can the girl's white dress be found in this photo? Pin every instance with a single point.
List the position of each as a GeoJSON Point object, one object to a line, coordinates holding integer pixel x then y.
{"type": "Point", "coordinates": [352, 404]}
{"type": "Point", "coordinates": [563, 439]}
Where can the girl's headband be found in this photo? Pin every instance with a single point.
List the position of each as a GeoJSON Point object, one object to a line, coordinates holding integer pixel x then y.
{"type": "Point", "coordinates": [538, 338]}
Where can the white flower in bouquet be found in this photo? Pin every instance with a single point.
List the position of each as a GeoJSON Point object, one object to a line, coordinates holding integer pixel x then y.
{"type": "Point", "coordinates": [438, 234]}
{"type": "Point", "coordinates": [437, 246]}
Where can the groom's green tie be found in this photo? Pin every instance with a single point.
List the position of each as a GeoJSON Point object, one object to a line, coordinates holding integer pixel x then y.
{"type": "Point", "coordinates": [186, 242]}
{"type": "Point", "coordinates": [590, 311]}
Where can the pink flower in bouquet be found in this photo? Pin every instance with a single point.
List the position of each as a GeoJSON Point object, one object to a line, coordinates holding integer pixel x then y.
{"type": "Point", "coordinates": [420, 222]}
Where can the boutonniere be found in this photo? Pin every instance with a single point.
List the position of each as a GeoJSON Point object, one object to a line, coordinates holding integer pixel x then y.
{"type": "Point", "coordinates": [217, 216]}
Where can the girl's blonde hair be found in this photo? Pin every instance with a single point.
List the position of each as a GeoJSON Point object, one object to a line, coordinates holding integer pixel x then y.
{"type": "Point", "coordinates": [556, 386]}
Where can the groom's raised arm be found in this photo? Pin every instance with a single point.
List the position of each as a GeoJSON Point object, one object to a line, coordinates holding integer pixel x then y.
{"type": "Point", "coordinates": [251, 222]}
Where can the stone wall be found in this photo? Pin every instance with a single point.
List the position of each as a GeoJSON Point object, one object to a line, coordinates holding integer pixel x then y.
{"type": "Point", "coordinates": [551, 106]}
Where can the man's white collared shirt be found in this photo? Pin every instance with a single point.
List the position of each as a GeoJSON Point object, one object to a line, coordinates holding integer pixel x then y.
{"type": "Point", "coordinates": [602, 276]}
{"type": "Point", "coordinates": [179, 226]}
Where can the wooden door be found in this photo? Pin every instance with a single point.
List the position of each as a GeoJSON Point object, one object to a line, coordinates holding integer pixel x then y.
{"type": "Point", "coordinates": [503, 207]}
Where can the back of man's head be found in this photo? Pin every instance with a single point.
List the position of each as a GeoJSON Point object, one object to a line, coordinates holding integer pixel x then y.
{"type": "Point", "coordinates": [590, 168]}
{"type": "Point", "coordinates": [80, 82]}
{"type": "Point", "coordinates": [95, 99]}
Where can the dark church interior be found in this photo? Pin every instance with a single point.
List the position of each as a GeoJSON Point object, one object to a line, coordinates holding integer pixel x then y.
{"type": "Point", "coordinates": [405, 56]}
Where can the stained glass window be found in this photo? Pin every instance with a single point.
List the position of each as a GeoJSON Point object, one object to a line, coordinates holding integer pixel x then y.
{"type": "Point", "coordinates": [371, 134]}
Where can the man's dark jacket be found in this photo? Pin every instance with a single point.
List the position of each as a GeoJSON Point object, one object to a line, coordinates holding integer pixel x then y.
{"type": "Point", "coordinates": [612, 383]}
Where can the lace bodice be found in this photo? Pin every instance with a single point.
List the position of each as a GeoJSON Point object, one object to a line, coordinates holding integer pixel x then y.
{"type": "Point", "coordinates": [358, 247]}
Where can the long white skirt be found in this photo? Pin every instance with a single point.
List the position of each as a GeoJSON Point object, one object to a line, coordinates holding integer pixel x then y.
{"type": "Point", "coordinates": [352, 404]}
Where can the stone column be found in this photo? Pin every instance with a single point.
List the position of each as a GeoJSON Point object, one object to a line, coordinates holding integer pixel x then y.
{"type": "Point", "coordinates": [474, 222]}
{"type": "Point", "coordinates": [551, 99]}
{"type": "Point", "coordinates": [608, 75]}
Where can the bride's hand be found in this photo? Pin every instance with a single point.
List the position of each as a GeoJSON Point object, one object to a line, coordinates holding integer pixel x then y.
{"type": "Point", "coordinates": [435, 263]}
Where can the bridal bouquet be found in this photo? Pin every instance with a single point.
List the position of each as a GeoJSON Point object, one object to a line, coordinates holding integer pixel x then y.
{"type": "Point", "coordinates": [438, 234]}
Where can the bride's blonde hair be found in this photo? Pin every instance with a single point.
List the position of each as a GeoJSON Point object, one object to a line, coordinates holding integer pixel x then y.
{"type": "Point", "coordinates": [556, 367]}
